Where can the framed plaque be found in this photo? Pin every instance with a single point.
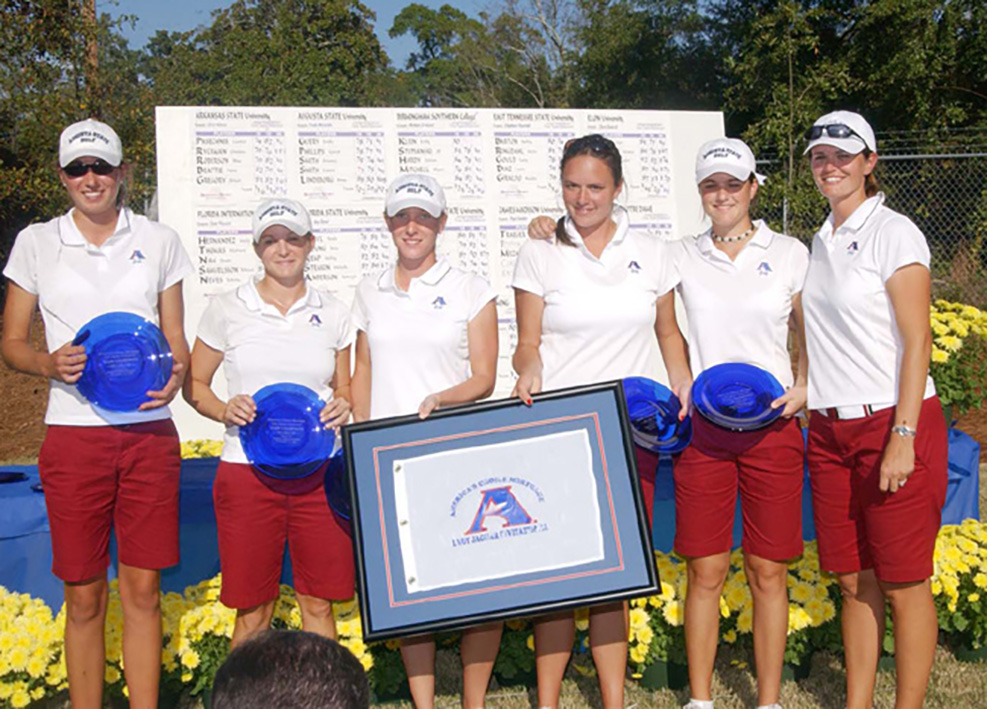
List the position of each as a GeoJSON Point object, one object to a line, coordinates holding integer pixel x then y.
{"type": "Point", "coordinates": [496, 510]}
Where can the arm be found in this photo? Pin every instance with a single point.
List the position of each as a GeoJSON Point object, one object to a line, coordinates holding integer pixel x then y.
{"type": "Point", "coordinates": [482, 337]}
{"type": "Point", "coordinates": [171, 312]}
{"type": "Point", "coordinates": [909, 291]}
{"type": "Point", "coordinates": [238, 411]}
{"type": "Point", "coordinates": [64, 364]}
{"type": "Point", "coordinates": [794, 399]}
{"type": "Point", "coordinates": [674, 350]}
{"type": "Point", "coordinates": [527, 362]}
{"type": "Point", "coordinates": [360, 384]}
{"type": "Point", "coordinates": [336, 412]}
{"type": "Point", "coordinates": [541, 227]}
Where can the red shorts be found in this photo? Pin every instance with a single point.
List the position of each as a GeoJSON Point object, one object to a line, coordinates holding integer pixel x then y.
{"type": "Point", "coordinates": [858, 526]}
{"type": "Point", "coordinates": [254, 522]}
{"type": "Point", "coordinates": [121, 477]}
{"type": "Point", "coordinates": [768, 467]}
{"type": "Point", "coordinates": [647, 466]}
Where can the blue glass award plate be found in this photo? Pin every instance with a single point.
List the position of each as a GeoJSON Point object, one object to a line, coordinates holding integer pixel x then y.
{"type": "Point", "coordinates": [737, 396]}
{"type": "Point", "coordinates": [286, 440]}
{"type": "Point", "coordinates": [653, 411]}
{"type": "Point", "coordinates": [337, 487]}
{"type": "Point", "coordinates": [126, 356]}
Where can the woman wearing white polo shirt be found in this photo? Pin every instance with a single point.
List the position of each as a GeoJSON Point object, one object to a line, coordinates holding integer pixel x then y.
{"type": "Point", "coordinates": [593, 305]}
{"type": "Point", "coordinates": [277, 329]}
{"type": "Point", "coordinates": [876, 422]}
{"type": "Point", "coordinates": [741, 286]}
{"type": "Point", "coordinates": [427, 338]}
{"type": "Point", "coordinates": [102, 469]}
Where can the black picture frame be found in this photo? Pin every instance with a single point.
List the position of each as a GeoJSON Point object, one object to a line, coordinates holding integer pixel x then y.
{"type": "Point", "coordinates": [589, 424]}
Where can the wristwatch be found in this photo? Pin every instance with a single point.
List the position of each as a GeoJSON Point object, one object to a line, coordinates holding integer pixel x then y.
{"type": "Point", "coordinates": [904, 431]}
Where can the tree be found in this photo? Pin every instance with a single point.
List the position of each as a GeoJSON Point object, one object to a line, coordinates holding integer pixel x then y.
{"type": "Point", "coordinates": [272, 53]}
{"type": "Point", "coordinates": [645, 54]}
{"type": "Point", "coordinates": [465, 61]}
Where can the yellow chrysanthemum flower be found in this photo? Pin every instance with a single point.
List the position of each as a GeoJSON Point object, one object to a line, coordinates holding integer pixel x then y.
{"type": "Point", "coordinates": [801, 592]}
{"type": "Point", "coordinates": [638, 654]}
{"type": "Point", "coordinates": [645, 635]}
{"type": "Point", "coordinates": [673, 613]}
{"type": "Point", "coordinates": [949, 342]}
{"type": "Point", "coordinates": [638, 618]}
{"type": "Point", "coordinates": [745, 621]}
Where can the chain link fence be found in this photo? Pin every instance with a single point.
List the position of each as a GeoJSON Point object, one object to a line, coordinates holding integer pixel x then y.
{"type": "Point", "coordinates": [943, 190]}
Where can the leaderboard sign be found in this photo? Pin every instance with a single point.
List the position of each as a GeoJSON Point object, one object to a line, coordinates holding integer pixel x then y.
{"type": "Point", "coordinates": [499, 169]}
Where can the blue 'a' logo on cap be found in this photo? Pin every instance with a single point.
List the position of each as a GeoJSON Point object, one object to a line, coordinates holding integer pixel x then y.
{"type": "Point", "coordinates": [137, 256]}
{"type": "Point", "coordinates": [315, 320]}
{"type": "Point", "coordinates": [499, 502]}
{"type": "Point", "coordinates": [764, 268]}
{"type": "Point", "coordinates": [853, 248]}
{"type": "Point", "coordinates": [634, 267]}
{"type": "Point", "coordinates": [439, 303]}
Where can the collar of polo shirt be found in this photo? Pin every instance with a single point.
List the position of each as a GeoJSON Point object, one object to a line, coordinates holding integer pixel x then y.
{"type": "Point", "coordinates": [69, 234]}
{"type": "Point", "coordinates": [858, 219]}
{"type": "Point", "coordinates": [620, 218]}
{"type": "Point", "coordinates": [430, 278]}
{"type": "Point", "coordinates": [250, 296]}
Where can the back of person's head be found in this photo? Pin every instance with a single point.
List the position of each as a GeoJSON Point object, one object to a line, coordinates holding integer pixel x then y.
{"type": "Point", "coordinates": [282, 669]}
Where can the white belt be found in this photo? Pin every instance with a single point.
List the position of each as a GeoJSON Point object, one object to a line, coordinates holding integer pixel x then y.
{"type": "Point", "coordinates": [853, 411]}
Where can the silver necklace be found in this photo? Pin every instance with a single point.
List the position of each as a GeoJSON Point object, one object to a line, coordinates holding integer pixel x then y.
{"type": "Point", "coordinates": [730, 239]}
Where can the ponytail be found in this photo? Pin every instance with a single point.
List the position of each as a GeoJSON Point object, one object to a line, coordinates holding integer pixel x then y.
{"type": "Point", "coordinates": [871, 184]}
{"type": "Point", "coordinates": [561, 235]}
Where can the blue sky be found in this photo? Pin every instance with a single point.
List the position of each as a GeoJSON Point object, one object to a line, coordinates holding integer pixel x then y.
{"type": "Point", "coordinates": [180, 15]}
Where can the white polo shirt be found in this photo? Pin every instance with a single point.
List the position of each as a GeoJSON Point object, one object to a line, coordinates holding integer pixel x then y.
{"type": "Point", "coordinates": [261, 346]}
{"type": "Point", "coordinates": [75, 281]}
{"type": "Point", "coordinates": [738, 310]}
{"type": "Point", "coordinates": [599, 318]}
{"type": "Point", "coordinates": [419, 340]}
{"type": "Point", "coordinates": [853, 340]}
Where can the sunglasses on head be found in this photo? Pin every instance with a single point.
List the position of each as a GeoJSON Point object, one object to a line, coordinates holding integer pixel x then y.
{"type": "Point", "coordinates": [78, 169]}
{"type": "Point", "coordinates": [833, 130]}
{"type": "Point", "coordinates": [595, 143]}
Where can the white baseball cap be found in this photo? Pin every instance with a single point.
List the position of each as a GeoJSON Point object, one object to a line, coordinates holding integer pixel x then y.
{"type": "Point", "coordinates": [850, 132]}
{"type": "Point", "coordinates": [283, 211]}
{"type": "Point", "coordinates": [415, 190]}
{"type": "Point", "coordinates": [89, 138]}
{"type": "Point", "coordinates": [727, 155]}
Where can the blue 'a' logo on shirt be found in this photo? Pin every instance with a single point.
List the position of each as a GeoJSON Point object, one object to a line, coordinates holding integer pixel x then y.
{"type": "Point", "coordinates": [439, 303]}
{"type": "Point", "coordinates": [315, 320]}
{"type": "Point", "coordinates": [499, 502]}
{"type": "Point", "coordinates": [634, 267]}
{"type": "Point", "coordinates": [852, 249]}
{"type": "Point", "coordinates": [764, 268]}
{"type": "Point", "coordinates": [137, 256]}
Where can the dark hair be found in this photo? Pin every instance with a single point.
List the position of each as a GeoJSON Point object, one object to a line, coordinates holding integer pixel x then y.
{"type": "Point", "coordinates": [290, 669]}
{"type": "Point", "coordinates": [871, 184]}
{"type": "Point", "coordinates": [598, 147]}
